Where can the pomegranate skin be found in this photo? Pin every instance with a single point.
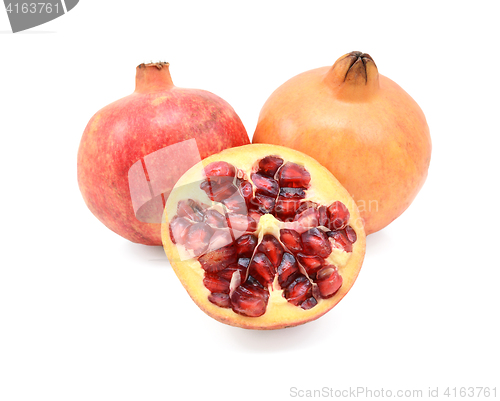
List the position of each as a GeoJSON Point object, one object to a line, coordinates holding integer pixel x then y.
{"type": "Point", "coordinates": [360, 125]}
{"type": "Point", "coordinates": [130, 130]}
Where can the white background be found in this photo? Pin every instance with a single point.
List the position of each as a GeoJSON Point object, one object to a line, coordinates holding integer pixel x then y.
{"type": "Point", "coordinates": [87, 315]}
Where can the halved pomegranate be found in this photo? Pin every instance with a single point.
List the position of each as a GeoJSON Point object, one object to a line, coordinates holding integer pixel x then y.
{"type": "Point", "coordinates": [263, 237]}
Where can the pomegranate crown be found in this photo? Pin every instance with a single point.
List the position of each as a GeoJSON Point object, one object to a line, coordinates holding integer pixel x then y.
{"type": "Point", "coordinates": [353, 77]}
{"type": "Point", "coordinates": [153, 77]}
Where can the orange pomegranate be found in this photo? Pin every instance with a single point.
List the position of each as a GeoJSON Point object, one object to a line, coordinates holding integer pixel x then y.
{"type": "Point", "coordinates": [360, 125]}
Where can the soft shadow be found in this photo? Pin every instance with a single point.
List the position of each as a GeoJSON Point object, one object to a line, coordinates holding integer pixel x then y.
{"type": "Point", "coordinates": [153, 255]}
{"type": "Point", "coordinates": [378, 242]}
{"type": "Point", "coordinates": [276, 341]}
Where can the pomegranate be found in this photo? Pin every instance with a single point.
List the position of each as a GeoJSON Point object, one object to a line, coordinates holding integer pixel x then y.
{"type": "Point", "coordinates": [135, 149]}
{"type": "Point", "coordinates": [248, 262]}
{"type": "Point", "coordinates": [361, 126]}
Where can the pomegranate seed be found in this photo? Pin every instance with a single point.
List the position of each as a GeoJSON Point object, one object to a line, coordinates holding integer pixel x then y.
{"type": "Point", "coordinates": [252, 281]}
{"type": "Point", "coordinates": [218, 191]}
{"type": "Point", "coordinates": [312, 263]}
{"type": "Point", "coordinates": [265, 185]}
{"type": "Point", "coordinates": [272, 248]}
{"type": "Point", "coordinates": [309, 303]}
{"type": "Point", "coordinates": [235, 203]}
{"type": "Point", "coordinates": [338, 214]}
{"type": "Point", "coordinates": [264, 204]}
{"type": "Point", "coordinates": [220, 169]}
{"type": "Point", "coordinates": [351, 234]}
{"type": "Point", "coordinates": [340, 240]}
{"type": "Point", "coordinates": [241, 267]}
{"type": "Point", "coordinates": [219, 239]}
{"type": "Point", "coordinates": [329, 281]}
{"type": "Point", "coordinates": [246, 190]}
{"type": "Point", "coordinates": [307, 219]}
{"type": "Point", "coordinates": [316, 242]}
{"type": "Point", "coordinates": [218, 259]}
{"type": "Point", "coordinates": [292, 193]}
{"type": "Point", "coordinates": [198, 238]}
{"type": "Point", "coordinates": [214, 283]}
{"type": "Point", "coordinates": [239, 224]}
{"type": "Point", "coordinates": [291, 239]}
{"type": "Point", "coordinates": [245, 245]}
{"type": "Point", "coordinates": [179, 228]}
{"type": "Point", "coordinates": [225, 274]}
{"type": "Point", "coordinates": [269, 165]}
{"type": "Point", "coordinates": [293, 175]}
{"type": "Point", "coordinates": [190, 209]}
{"type": "Point", "coordinates": [215, 219]}
{"type": "Point", "coordinates": [298, 291]}
{"type": "Point", "coordinates": [287, 270]}
{"type": "Point", "coordinates": [221, 300]}
{"type": "Point", "coordinates": [285, 208]}
{"type": "Point", "coordinates": [255, 214]}
{"type": "Point", "coordinates": [250, 300]}
{"type": "Point", "coordinates": [323, 216]}
{"type": "Point", "coordinates": [306, 205]}
{"type": "Point", "coordinates": [261, 269]}
{"type": "Point", "coordinates": [237, 273]}
{"type": "Point", "coordinates": [244, 262]}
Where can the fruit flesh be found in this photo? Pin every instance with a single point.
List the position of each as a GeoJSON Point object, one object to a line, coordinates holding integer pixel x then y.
{"type": "Point", "coordinates": [261, 294]}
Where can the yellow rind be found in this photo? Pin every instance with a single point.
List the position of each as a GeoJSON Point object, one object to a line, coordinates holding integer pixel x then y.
{"type": "Point", "coordinates": [325, 189]}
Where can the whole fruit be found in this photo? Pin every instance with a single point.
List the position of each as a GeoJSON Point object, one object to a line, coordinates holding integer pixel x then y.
{"type": "Point", "coordinates": [263, 237]}
{"type": "Point", "coordinates": [360, 125]}
{"type": "Point", "coordinates": [134, 150]}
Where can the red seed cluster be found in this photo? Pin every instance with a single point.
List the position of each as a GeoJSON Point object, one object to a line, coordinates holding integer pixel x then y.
{"type": "Point", "coordinates": [239, 271]}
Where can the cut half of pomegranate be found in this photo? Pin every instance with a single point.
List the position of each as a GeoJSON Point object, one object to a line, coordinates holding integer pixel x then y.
{"type": "Point", "coordinates": [263, 237]}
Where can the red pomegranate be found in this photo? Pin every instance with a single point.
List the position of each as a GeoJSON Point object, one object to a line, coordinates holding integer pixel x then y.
{"type": "Point", "coordinates": [134, 150]}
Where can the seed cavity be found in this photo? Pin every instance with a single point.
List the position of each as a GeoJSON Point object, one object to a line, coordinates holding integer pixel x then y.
{"type": "Point", "coordinates": [239, 271]}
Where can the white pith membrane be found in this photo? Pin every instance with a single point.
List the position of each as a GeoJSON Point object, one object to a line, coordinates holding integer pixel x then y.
{"type": "Point", "coordinates": [323, 189]}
